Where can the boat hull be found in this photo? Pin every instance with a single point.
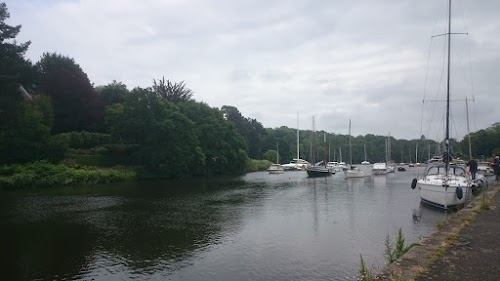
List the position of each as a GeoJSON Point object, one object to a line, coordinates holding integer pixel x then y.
{"type": "Point", "coordinates": [354, 173]}
{"type": "Point", "coordinates": [315, 172]}
{"type": "Point", "coordinates": [434, 192]}
{"type": "Point", "coordinates": [379, 171]}
{"type": "Point", "coordinates": [276, 171]}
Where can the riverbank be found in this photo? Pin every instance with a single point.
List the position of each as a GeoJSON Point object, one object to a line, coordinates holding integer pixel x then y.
{"type": "Point", "coordinates": [44, 174]}
{"type": "Point", "coordinates": [464, 246]}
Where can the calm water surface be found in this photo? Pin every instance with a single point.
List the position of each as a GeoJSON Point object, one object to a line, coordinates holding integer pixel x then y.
{"type": "Point", "coordinates": [254, 227]}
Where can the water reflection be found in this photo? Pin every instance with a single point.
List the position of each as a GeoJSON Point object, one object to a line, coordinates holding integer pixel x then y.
{"type": "Point", "coordinates": [256, 227]}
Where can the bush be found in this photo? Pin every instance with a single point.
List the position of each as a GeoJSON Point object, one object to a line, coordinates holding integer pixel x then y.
{"type": "Point", "coordinates": [85, 139]}
{"type": "Point", "coordinates": [257, 165]}
{"type": "Point", "coordinates": [44, 174]}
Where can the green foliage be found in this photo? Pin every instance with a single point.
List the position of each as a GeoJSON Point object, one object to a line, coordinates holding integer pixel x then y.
{"type": "Point", "coordinates": [165, 138]}
{"type": "Point", "coordinates": [98, 160]}
{"type": "Point", "coordinates": [85, 139]}
{"type": "Point", "coordinates": [27, 137]}
{"type": "Point", "coordinates": [76, 104]}
{"type": "Point", "coordinates": [251, 130]}
{"type": "Point", "coordinates": [393, 253]}
{"type": "Point", "coordinates": [224, 149]}
{"type": "Point", "coordinates": [257, 165]}
{"type": "Point", "coordinates": [14, 71]}
{"type": "Point", "coordinates": [270, 155]}
{"type": "Point", "coordinates": [44, 174]}
{"type": "Point", "coordinates": [115, 92]}
{"type": "Point", "coordinates": [484, 143]}
{"type": "Point", "coordinates": [364, 271]}
{"type": "Point", "coordinates": [174, 92]}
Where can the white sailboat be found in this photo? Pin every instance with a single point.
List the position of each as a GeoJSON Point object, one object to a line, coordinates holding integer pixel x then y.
{"type": "Point", "coordinates": [297, 163]}
{"type": "Point", "coordinates": [445, 185]}
{"type": "Point", "coordinates": [276, 168]}
{"type": "Point", "coordinates": [365, 162]}
{"type": "Point", "coordinates": [352, 171]}
{"type": "Point", "coordinates": [382, 168]}
{"type": "Point", "coordinates": [318, 170]}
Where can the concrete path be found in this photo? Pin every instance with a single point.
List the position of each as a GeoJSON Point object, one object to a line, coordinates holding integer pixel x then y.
{"type": "Point", "coordinates": [466, 246]}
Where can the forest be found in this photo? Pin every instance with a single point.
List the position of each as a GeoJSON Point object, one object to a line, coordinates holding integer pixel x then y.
{"type": "Point", "coordinates": [54, 120]}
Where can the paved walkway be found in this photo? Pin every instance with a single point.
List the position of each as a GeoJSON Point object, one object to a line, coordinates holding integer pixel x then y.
{"type": "Point", "coordinates": [465, 247]}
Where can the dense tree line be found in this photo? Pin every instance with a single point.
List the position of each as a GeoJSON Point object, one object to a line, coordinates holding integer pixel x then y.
{"type": "Point", "coordinates": [161, 128]}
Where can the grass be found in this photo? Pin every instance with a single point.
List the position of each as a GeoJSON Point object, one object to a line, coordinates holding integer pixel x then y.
{"type": "Point", "coordinates": [394, 252]}
{"type": "Point", "coordinates": [364, 271]}
{"type": "Point", "coordinates": [45, 174]}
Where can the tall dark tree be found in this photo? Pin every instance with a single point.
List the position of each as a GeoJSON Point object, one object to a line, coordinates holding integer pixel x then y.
{"type": "Point", "coordinates": [251, 130]}
{"type": "Point", "coordinates": [174, 92]}
{"type": "Point", "coordinates": [14, 69]}
{"type": "Point", "coordinates": [77, 106]}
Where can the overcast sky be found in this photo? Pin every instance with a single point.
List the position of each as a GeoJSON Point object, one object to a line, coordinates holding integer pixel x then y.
{"type": "Point", "coordinates": [369, 61]}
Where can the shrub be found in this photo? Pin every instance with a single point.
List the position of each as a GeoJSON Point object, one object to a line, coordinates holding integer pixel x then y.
{"type": "Point", "coordinates": [44, 174]}
{"type": "Point", "coordinates": [85, 139]}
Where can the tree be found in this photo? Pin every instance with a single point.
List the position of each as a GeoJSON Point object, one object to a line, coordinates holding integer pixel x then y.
{"type": "Point", "coordinates": [112, 93]}
{"type": "Point", "coordinates": [14, 69]}
{"type": "Point", "coordinates": [77, 106]}
{"type": "Point", "coordinates": [174, 92]}
{"type": "Point", "coordinates": [251, 130]}
{"type": "Point", "coordinates": [28, 136]}
{"type": "Point", "coordinates": [270, 155]}
{"type": "Point", "coordinates": [222, 145]}
{"type": "Point", "coordinates": [166, 138]}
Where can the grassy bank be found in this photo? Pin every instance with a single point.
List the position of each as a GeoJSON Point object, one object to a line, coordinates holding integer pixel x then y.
{"type": "Point", "coordinates": [257, 165]}
{"type": "Point", "coordinates": [44, 174]}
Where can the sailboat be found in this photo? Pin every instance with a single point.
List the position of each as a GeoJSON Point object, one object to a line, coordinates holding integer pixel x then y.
{"type": "Point", "coordinates": [297, 163]}
{"type": "Point", "coordinates": [382, 168]}
{"type": "Point", "coordinates": [365, 162]}
{"type": "Point", "coordinates": [276, 168]}
{"type": "Point", "coordinates": [388, 158]}
{"type": "Point", "coordinates": [319, 170]}
{"type": "Point", "coordinates": [444, 185]}
{"type": "Point", "coordinates": [352, 171]}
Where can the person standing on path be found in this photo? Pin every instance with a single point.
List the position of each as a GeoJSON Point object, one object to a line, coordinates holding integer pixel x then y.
{"type": "Point", "coordinates": [472, 164]}
{"type": "Point", "coordinates": [496, 168]}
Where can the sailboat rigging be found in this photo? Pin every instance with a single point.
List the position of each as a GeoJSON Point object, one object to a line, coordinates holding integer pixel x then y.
{"type": "Point", "coordinates": [445, 185]}
{"type": "Point", "coordinates": [352, 171]}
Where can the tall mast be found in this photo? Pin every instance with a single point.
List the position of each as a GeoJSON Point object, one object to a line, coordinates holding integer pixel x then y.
{"type": "Point", "coordinates": [313, 145]}
{"type": "Point", "coordinates": [277, 153]}
{"type": "Point", "coordinates": [447, 138]}
{"type": "Point", "coordinates": [386, 149]}
{"type": "Point", "coordinates": [324, 149]}
{"type": "Point", "coordinates": [329, 158]}
{"type": "Point", "coordinates": [416, 154]}
{"type": "Point", "coordinates": [365, 149]}
{"type": "Point", "coordinates": [468, 129]}
{"type": "Point", "coordinates": [350, 146]}
{"type": "Point", "coordinates": [298, 148]}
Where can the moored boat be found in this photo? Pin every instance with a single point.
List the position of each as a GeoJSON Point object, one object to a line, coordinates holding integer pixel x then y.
{"type": "Point", "coordinates": [445, 185]}
{"type": "Point", "coordinates": [484, 168]}
{"type": "Point", "coordinates": [379, 168]}
{"type": "Point", "coordinates": [276, 169]}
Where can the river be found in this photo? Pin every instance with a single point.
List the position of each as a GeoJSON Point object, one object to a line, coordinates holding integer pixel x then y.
{"type": "Point", "coordinates": [254, 227]}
